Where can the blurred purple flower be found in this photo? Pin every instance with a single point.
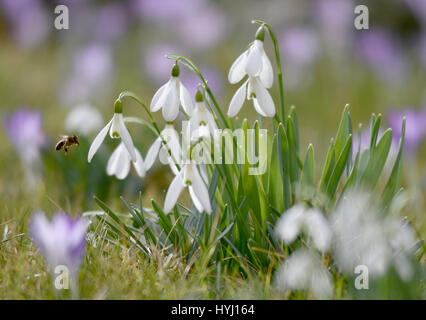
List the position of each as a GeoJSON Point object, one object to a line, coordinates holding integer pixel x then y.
{"type": "Point", "coordinates": [165, 10]}
{"type": "Point", "coordinates": [155, 62]}
{"type": "Point", "coordinates": [418, 7]}
{"type": "Point", "coordinates": [421, 50]}
{"type": "Point", "coordinates": [380, 51]}
{"type": "Point", "coordinates": [334, 15]}
{"type": "Point", "coordinates": [24, 129]}
{"type": "Point", "coordinates": [203, 28]}
{"type": "Point", "coordinates": [415, 129]}
{"type": "Point", "coordinates": [213, 77]}
{"type": "Point", "coordinates": [111, 21]}
{"type": "Point", "coordinates": [298, 45]}
{"type": "Point", "coordinates": [62, 241]}
{"type": "Point", "coordinates": [299, 48]}
{"type": "Point", "coordinates": [92, 72]}
{"type": "Point", "coordinates": [28, 20]}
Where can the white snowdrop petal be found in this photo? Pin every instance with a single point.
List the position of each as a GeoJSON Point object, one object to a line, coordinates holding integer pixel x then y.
{"type": "Point", "coordinates": [200, 190]}
{"type": "Point", "coordinates": [237, 71]}
{"type": "Point", "coordinates": [139, 164]}
{"type": "Point", "coordinates": [152, 153]}
{"type": "Point", "coordinates": [159, 97]}
{"type": "Point", "coordinates": [237, 101]}
{"type": "Point", "coordinates": [195, 200]}
{"type": "Point", "coordinates": [289, 224]}
{"type": "Point", "coordinates": [98, 141]}
{"type": "Point", "coordinates": [319, 229]}
{"type": "Point", "coordinates": [267, 74]}
{"type": "Point", "coordinates": [185, 99]}
{"type": "Point", "coordinates": [264, 100]}
{"type": "Point", "coordinates": [115, 130]}
{"type": "Point", "coordinates": [113, 159]}
{"type": "Point", "coordinates": [173, 193]}
{"type": "Point", "coordinates": [123, 165]}
{"type": "Point", "coordinates": [127, 139]}
{"type": "Point", "coordinates": [254, 60]}
{"type": "Point", "coordinates": [170, 109]}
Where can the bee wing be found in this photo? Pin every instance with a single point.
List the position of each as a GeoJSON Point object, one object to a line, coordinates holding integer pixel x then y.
{"type": "Point", "coordinates": [60, 144]}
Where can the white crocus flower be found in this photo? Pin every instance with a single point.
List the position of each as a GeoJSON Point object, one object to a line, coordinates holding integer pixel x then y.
{"type": "Point", "coordinates": [170, 95]}
{"type": "Point", "coordinates": [310, 220]}
{"type": "Point", "coordinates": [171, 137]}
{"type": "Point", "coordinates": [117, 129]}
{"type": "Point", "coordinates": [201, 123]}
{"type": "Point", "coordinates": [255, 63]}
{"type": "Point", "coordinates": [119, 163]}
{"type": "Point", "coordinates": [188, 177]}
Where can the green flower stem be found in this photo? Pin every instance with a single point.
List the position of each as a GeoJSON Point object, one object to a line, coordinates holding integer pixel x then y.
{"type": "Point", "coordinates": [278, 61]}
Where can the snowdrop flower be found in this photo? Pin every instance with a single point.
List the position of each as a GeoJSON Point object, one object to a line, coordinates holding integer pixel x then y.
{"type": "Point", "coordinates": [255, 63]}
{"type": "Point", "coordinates": [188, 177]}
{"type": "Point", "coordinates": [201, 123]}
{"type": "Point", "coordinates": [119, 163]}
{"type": "Point", "coordinates": [170, 95]}
{"type": "Point", "coordinates": [117, 129]}
{"type": "Point", "coordinates": [364, 236]}
{"type": "Point", "coordinates": [84, 119]}
{"type": "Point", "coordinates": [311, 220]}
{"type": "Point", "coordinates": [62, 241]}
{"type": "Point", "coordinates": [171, 138]}
{"type": "Point", "coordinates": [302, 271]}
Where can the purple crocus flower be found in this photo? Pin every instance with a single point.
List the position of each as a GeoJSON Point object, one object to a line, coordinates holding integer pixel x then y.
{"type": "Point", "coordinates": [24, 129]}
{"type": "Point", "coordinates": [379, 50]}
{"type": "Point", "coordinates": [299, 46]}
{"type": "Point", "coordinates": [210, 25]}
{"type": "Point", "coordinates": [111, 22]}
{"type": "Point", "coordinates": [415, 127]}
{"type": "Point", "coordinates": [28, 20]}
{"type": "Point", "coordinates": [165, 10]}
{"type": "Point", "coordinates": [62, 241]}
{"type": "Point", "coordinates": [92, 71]}
{"type": "Point", "coordinates": [418, 7]}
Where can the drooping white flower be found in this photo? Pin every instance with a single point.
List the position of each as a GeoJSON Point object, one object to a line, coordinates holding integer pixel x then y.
{"type": "Point", "coordinates": [365, 236]}
{"type": "Point", "coordinates": [171, 138]}
{"type": "Point", "coordinates": [201, 123]}
{"type": "Point", "coordinates": [252, 89]}
{"type": "Point", "coordinates": [119, 163]}
{"type": "Point", "coordinates": [170, 96]}
{"type": "Point", "coordinates": [117, 129]}
{"type": "Point", "coordinates": [299, 218]}
{"type": "Point", "coordinates": [255, 63]}
{"type": "Point", "coordinates": [302, 271]}
{"type": "Point", "coordinates": [84, 119]}
{"type": "Point", "coordinates": [188, 177]}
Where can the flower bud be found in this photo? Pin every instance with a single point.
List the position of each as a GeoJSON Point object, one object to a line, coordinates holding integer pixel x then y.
{"type": "Point", "coordinates": [260, 33]}
{"type": "Point", "coordinates": [198, 96]}
{"type": "Point", "coordinates": [175, 70]}
{"type": "Point", "coordinates": [118, 106]}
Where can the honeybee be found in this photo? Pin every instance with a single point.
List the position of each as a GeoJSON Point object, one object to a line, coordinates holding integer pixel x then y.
{"type": "Point", "coordinates": [67, 142]}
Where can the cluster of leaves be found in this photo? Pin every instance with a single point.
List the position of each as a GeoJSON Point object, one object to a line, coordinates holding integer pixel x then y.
{"type": "Point", "coordinates": [239, 232]}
